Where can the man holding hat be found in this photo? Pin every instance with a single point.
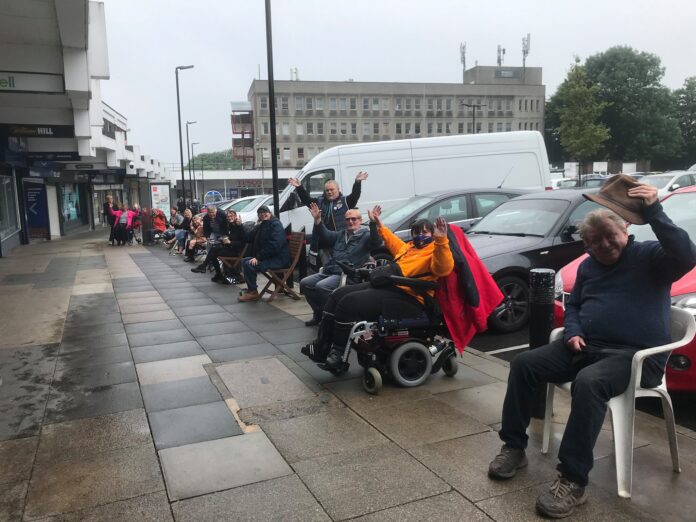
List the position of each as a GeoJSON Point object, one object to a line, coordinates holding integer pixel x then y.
{"type": "Point", "coordinates": [270, 249]}
{"type": "Point", "coordinates": [620, 304]}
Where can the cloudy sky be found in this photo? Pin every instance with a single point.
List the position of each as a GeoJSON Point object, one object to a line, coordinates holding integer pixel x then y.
{"type": "Point", "coordinates": [367, 40]}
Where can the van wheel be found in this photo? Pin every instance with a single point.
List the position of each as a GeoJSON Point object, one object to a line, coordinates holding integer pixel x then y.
{"type": "Point", "coordinates": [513, 312]}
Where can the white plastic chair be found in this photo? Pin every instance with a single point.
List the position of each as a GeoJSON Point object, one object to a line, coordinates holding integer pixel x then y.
{"type": "Point", "coordinates": [622, 407]}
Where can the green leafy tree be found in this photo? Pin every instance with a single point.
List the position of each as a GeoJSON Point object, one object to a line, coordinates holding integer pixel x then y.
{"type": "Point", "coordinates": [221, 160]}
{"type": "Point", "coordinates": [576, 112]}
{"type": "Point", "coordinates": [685, 99]}
{"type": "Point", "coordinates": [638, 110]}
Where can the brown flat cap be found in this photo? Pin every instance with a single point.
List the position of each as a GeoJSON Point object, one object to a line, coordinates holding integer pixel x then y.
{"type": "Point", "coordinates": [614, 196]}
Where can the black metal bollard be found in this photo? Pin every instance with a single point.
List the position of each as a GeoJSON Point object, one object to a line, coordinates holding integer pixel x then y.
{"type": "Point", "coordinates": [541, 288]}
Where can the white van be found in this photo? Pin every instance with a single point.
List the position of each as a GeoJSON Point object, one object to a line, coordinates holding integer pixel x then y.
{"type": "Point", "coordinates": [401, 169]}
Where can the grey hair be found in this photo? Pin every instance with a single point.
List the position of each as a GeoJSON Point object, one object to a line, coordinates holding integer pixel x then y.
{"type": "Point", "coordinates": [331, 182]}
{"type": "Point", "coordinates": [596, 217]}
{"type": "Point", "coordinates": [212, 206]}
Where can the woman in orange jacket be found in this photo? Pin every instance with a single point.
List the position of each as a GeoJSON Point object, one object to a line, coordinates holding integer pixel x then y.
{"type": "Point", "coordinates": [427, 256]}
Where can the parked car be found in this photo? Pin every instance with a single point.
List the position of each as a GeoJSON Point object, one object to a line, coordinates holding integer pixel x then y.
{"type": "Point", "coordinates": [458, 207]}
{"type": "Point", "coordinates": [559, 183]}
{"type": "Point", "coordinates": [531, 231]}
{"type": "Point", "coordinates": [680, 206]}
{"type": "Point", "coordinates": [670, 181]}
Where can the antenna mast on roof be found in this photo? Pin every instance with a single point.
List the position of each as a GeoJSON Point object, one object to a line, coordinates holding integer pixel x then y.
{"type": "Point", "coordinates": [525, 49]}
{"type": "Point", "coordinates": [501, 55]}
{"type": "Point", "coordinates": [462, 52]}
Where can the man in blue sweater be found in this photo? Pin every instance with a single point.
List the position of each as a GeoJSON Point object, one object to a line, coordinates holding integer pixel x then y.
{"type": "Point", "coordinates": [620, 304]}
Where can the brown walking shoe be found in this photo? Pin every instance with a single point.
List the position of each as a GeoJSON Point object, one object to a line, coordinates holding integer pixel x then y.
{"type": "Point", "coordinates": [561, 499]}
{"type": "Point", "coordinates": [249, 296]}
{"type": "Point", "coordinates": [506, 463]}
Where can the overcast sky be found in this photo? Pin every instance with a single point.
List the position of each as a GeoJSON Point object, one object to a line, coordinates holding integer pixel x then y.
{"type": "Point", "coordinates": [367, 40]}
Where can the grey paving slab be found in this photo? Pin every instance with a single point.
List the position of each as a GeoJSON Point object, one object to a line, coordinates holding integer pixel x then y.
{"type": "Point", "coordinates": [185, 311]}
{"type": "Point", "coordinates": [466, 377]}
{"type": "Point", "coordinates": [283, 498]}
{"type": "Point", "coordinates": [154, 299]}
{"type": "Point", "coordinates": [217, 318]}
{"type": "Point", "coordinates": [196, 301]}
{"type": "Point", "coordinates": [216, 465]}
{"type": "Point", "coordinates": [324, 377]}
{"type": "Point", "coordinates": [191, 424]}
{"type": "Point", "coordinates": [16, 459]}
{"type": "Point", "coordinates": [448, 507]}
{"type": "Point", "coordinates": [85, 358]}
{"type": "Point", "coordinates": [352, 393]}
{"type": "Point", "coordinates": [80, 438]}
{"type": "Point", "coordinates": [81, 320]}
{"type": "Point", "coordinates": [94, 376]}
{"type": "Point", "coordinates": [178, 394]}
{"type": "Point", "coordinates": [264, 311]}
{"type": "Point", "coordinates": [227, 327]}
{"type": "Point", "coordinates": [172, 369]}
{"type": "Point", "coordinates": [181, 294]}
{"type": "Point", "coordinates": [138, 295]}
{"type": "Point", "coordinates": [153, 507]}
{"type": "Point", "coordinates": [326, 433]}
{"type": "Point", "coordinates": [152, 338]}
{"type": "Point", "coordinates": [217, 342]}
{"type": "Point", "coordinates": [140, 308]}
{"type": "Point", "coordinates": [292, 335]}
{"type": "Point", "coordinates": [12, 500]}
{"type": "Point", "coordinates": [154, 326]}
{"type": "Point", "coordinates": [162, 352]}
{"type": "Point", "coordinates": [133, 289]}
{"type": "Point", "coordinates": [61, 486]}
{"type": "Point", "coordinates": [117, 281]}
{"type": "Point", "coordinates": [255, 382]}
{"type": "Point", "coordinates": [463, 463]}
{"type": "Point", "coordinates": [101, 330]}
{"type": "Point", "coordinates": [368, 480]}
{"type": "Point", "coordinates": [288, 323]}
{"type": "Point", "coordinates": [242, 352]}
{"type": "Point", "coordinates": [69, 405]}
{"type": "Point", "coordinates": [484, 403]}
{"type": "Point", "coordinates": [229, 297]}
{"type": "Point", "coordinates": [292, 350]}
{"type": "Point", "coordinates": [421, 422]}
{"type": "Point", "coordinates": [145, 317]}
{"type": "Point", "coordinates": [94, 343]}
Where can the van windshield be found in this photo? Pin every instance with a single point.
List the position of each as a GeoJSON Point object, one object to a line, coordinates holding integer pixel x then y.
{"type": "Point", "coordinates": [395, 216]}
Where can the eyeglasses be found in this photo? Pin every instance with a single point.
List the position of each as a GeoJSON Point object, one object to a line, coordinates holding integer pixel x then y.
{"type": "Point", "coordinates": [353, 219]}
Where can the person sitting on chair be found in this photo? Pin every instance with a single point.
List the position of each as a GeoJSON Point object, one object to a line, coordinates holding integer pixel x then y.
{"type": "Point", "coordinates": [214, 229]}
{"type": "Point", "coordinates": [426, 257]}
{"type": "Point", "coordinates": [351, 245]}
{"type": "Point", "coordinates": [195, 239]}
{"type": "Point", "coordinates": [230, 246]}
{"type": "Point", "coordinates": [270, 249]}
{"type": "Point", "coordinates": [620, 304]}
{"type": "Point", "coordinates": [175, 221]}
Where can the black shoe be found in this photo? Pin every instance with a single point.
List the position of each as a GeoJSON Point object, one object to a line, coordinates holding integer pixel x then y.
{"type": "Point", "coordinates": [217, 278]}
{"type": "Point", "coordinates": [506, 463]}
{"type": "Point", "coordinates": [200, 269]}
{"type": "Point", "coordinates": [314, 351]}
{"type": "Point", "coordinates": [189, 260]}
{"type": "Point", "coordinates": [561, 499]}
{"type": "Point", "coordinates": [334, 360]}
{"type": "Point", "coordinates": [313, 321]}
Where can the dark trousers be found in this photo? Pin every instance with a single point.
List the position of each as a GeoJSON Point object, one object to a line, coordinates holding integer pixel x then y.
{"type": "Point", "coordinates": [598, 374]}
{"type": "Point", "coordinates": [352, 303]}
{"type": "Point", "coordinates": [231, 250]}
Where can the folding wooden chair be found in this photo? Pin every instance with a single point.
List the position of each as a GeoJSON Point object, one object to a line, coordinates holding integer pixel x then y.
{"type": "Point", "coordinates": [234, 262]}
{"type": "Point", "coordinates": [279, 277]}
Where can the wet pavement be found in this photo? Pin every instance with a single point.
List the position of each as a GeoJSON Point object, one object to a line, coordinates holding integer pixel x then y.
{"type": "Point", "coordinates": [134, 389]}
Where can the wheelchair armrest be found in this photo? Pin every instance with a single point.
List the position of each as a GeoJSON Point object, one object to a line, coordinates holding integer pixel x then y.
{"type": "Point", "coordinates": [411, 282]}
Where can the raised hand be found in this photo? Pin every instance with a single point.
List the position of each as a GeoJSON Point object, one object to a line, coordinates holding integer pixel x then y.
{"type": "Point", "coordinates": [646, 192]}
{"type": "Point", "coordinates": [362, 176]}
{"type": "Point", "coordinates": [375, 214]}
{"type": "Point", "coordinates": [440, 227]}
{"type": "Point", "coordinates": [316, 212]}
{"type": "Point", "coordinates": [294, 182]}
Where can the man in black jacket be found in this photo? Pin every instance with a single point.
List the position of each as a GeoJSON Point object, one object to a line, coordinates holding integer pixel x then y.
{"type": "Point", "coordinates": [270, 249]}
{"type": "Point", "coordinates": [620, 304]}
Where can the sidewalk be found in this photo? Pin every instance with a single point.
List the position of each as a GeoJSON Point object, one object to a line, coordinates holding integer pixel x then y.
{"type": "Point", "coordinates": [134, 389]}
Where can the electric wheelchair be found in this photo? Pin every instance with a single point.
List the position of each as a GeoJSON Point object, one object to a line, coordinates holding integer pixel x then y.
{"type": "Point", "coordinates": [404, 344]}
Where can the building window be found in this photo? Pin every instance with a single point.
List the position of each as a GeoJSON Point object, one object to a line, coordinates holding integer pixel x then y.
{"type": "Point", "coordinates": [353, 128]}
{"type": "Point", "coordinates": [478, 128]}
{"type": "Point", "coordinates": [278, 153]}
{"type": "Point", "coordinates": [438, 105]}
{"type": "Point", "coordinates": [397, 104]}
{"type": "Point", "coordinates": [407, 127]}
{"type": "Point", "coordinates": [525, 125]}
{"type": "Point", "coordinates": [439, 127]}
{"type": "Point", "coordinates": [333, 128]}
{"type": "Point", "coordinates": [284, 103]}
{"type": "Point", "coordinates": [343, 104]}
{"type": "Point", "coordinates": [525, 106]}
{"type": "Point", "coordinates": [332, 104]}
{"type": "Point", "coordinates": [265, 153]}
{"type": "Point", "coordinates": [430, 129]}
{"type": "Point", "coordinates": [519, 126]}
{"type": "Point", "coordinates": [431, 104]}
{"type": "Point", "coordinates": [508, 127]}
{"type": "Point", "coordinates": [320, 103]}
{"type": "Point", "coordinates": [537, 105]}
{"type": "Point", "coordinates": [353, 104]}
{"type": "Point", "coordinates": [448, 128]}
{"type": "Point", "coordinates": [320, 127]}
{"type": "Point", "coordinates": [286, 129]}
{"type": "Point", "coordinates": [508, 105]}
{"type": "Point", "coordinates": [407, 104]}
{"type": "Point", "coordinates": [416, 104]}
{"type": "Point", "coordinates": [520, 108]}
{"type": "Point", "coordinates": [416, 129]}
{"type": "Point", "coordinates": [299, 129]}
{"type": "Point", "coordinates": [448, 104]}
{"type": "Point", "coordinates": [398, 128]}
{"type": "Point", "coordinates": [375, 104]}
{"type": "Point", "coordinates": [375, 128]}
{"type": "Point", "coordinates": [499, 127]}
{"type": "Point", "coordinates": [300, 153]}
{"type": "Point", "coordinates": [344, 128]}
{"type": "Point", "coordinates": [366, 128]}
{"type": "Point", "coordinates": [286, 153]}
{"type": "Point", "coordinates": [386, 105]}
{"type": "Point", "coordinates": [460, 128]}
{"type": "Point", "coordinates": [299, 103]}
{"type": "Point", "coordinates": [8, 207]}
{"type": "Point", "coordinates": [366, 104]}
{"type": "Point", "coordinates": [263, 102]}
{"type": "Point", "coordinates": [310, 127]}
{"type": "Point", "coordinates": [308, 103]}
{"type": "Point", "coordinates": [385, 127]}
{"type": "Point", "coordinates": [469, 128]}
{"type": "Point", "coordinates": [490, 126]}
{"type": "Point", "coordinates": [264, 127]}
{"type": "Point", "coordinates": [536, 126]}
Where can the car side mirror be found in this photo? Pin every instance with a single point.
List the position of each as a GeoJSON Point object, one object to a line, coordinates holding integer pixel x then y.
{"type": "Point", "coordinates": [674, 186]}
{"type": "Point", "coordinates": [569, 231]}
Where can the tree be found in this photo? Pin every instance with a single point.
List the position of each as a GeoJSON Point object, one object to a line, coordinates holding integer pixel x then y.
{"type": "Point", "coordinates": [577, 111]}
{"type": "Point", "coordinates": [638, 109]}
{"type": "Point", "coordinates": [685, 99]}
{"type": "Point", "coordinates": [221, 160]}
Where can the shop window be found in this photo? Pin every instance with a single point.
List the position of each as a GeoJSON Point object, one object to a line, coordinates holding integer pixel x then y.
{"type": "Point", "coordinates": [8, 207]}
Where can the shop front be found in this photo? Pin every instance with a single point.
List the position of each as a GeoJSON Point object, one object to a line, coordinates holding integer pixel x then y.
{"type": "Point", "coordinates": [73, 201]}
{"type": "Point", "coordinates": [10, 225]}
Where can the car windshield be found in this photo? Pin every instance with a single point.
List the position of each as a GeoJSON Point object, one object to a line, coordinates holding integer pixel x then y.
{"type": "Point", "coordinates": [395, 216]}
{"type": "Point", "coordinates": [241, 204]}
{"type": "Point", "coordinates": [681, 208]}
{"type": "Point", "coordinates": [656, 181]}
{"type": "Point", "coordinates": [522, 217]}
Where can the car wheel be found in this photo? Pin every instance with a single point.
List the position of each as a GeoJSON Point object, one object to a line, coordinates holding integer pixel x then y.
{"type": "Point", "coordinates": [513, 313]}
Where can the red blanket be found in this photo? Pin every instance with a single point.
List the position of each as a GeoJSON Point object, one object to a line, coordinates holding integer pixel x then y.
{"type": "Point", "coordinates": [462, 319]}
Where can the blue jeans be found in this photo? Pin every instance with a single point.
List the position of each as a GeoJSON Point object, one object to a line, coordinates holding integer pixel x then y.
{"type": "Point", "coordinates": [180, 236]}
{"type": "Point", "coordinates": [317, 288]}
{"type": "Point", "coordinates": [250, 272]}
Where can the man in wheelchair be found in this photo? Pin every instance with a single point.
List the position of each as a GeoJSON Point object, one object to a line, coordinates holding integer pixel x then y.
{"type": "Point", "coordinates": [426, 257]}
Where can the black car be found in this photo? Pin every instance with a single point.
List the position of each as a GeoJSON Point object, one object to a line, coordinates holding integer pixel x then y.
{"type": "Point", "coordinates": [532, 231]}
{"type": "Point", "coordinates": [458, 207]}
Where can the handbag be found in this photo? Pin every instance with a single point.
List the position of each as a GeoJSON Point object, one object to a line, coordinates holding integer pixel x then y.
{"type": "Point", "coordinates": [380, 276]}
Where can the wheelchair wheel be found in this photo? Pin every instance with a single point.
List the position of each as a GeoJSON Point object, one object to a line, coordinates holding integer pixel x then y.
{"type": "Point", "coordinates": [372, 381]}
{"type": "Point", "coordinates": [450, 366]}
{"type": "Point", "coordinates": [410, 364]}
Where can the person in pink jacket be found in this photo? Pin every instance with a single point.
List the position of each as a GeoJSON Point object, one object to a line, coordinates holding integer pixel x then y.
{"type": "Point", "coordinates": [123, 222]}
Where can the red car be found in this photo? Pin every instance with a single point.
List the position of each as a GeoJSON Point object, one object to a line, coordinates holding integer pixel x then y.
{"type": "Point", "coordinates": [680, 206]}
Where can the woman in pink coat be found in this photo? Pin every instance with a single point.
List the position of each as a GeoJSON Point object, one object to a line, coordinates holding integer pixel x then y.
{"type": "Point", "coordinates": [123, 223]}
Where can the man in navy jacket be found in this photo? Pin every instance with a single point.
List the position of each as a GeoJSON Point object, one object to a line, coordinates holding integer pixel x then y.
{"type": "Point", "coordinates": [620, 304]}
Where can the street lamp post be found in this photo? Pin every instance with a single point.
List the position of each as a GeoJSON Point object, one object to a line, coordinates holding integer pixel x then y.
{"type": "Point", "coordinates": [271, 101]}
{"type": "Point", "coordinates": [193, 166]}
{"type": "Point", "coordinates": [188, 152]}
{"type": "Point", "coordinates": [475, 107]}
{"type": "Point", "coordinates": [178, 111]}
